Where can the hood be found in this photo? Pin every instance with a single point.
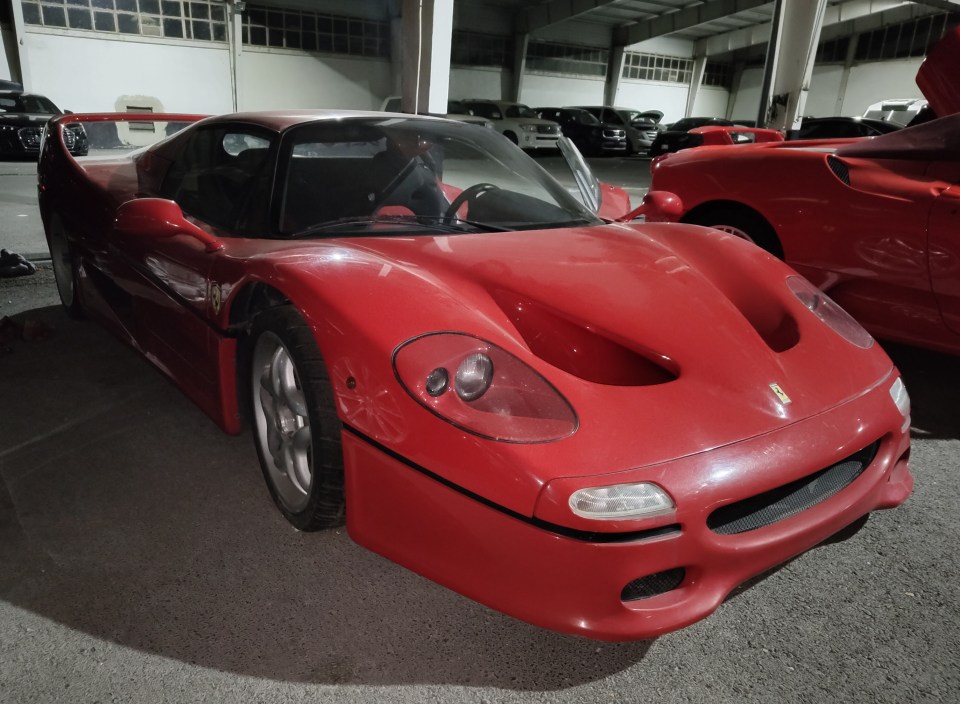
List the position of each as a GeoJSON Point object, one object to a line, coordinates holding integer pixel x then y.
{"type": "Point", "coordinates": [938, 76]}
{"type": "Point", "coordinates": [663, 318]}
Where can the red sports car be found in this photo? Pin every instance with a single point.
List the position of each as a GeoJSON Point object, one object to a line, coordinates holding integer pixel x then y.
{"type": "Point", "coordinates": [873, 222]}
{"type": "Point", "coordinates": [600, 428]}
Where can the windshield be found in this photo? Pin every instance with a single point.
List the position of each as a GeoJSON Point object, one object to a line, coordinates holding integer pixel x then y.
{"type": "Point", "coordinates": [519, 110]}
{"type": "Point", "coordinates": [584, 117]}
{"type": "Point", "coordinates": [455, 107]}
{"type": "Point", "coordinates": [385, 175]}
{"type": "Point", "coordinates": [36, 104]}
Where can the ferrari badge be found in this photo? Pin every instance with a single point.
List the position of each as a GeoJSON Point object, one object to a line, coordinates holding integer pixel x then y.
{"type": "Point", "coordinates": [780, 394]}
{"type": "Point", "coordinates": [216, 297]}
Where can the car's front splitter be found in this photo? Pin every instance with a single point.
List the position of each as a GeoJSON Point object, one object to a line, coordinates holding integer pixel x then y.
{"type": "Point", "coordinates": [573, 584]}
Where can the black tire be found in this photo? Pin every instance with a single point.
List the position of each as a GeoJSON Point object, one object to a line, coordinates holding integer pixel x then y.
{"type": "Point", "coordinates": [742, 222]}
{"type": "Point", "coordinates": [512, 137]}
{"type": "Point", "coordinates": [64, 267]}
{"type": "Point", "coordinates": [289, 390]}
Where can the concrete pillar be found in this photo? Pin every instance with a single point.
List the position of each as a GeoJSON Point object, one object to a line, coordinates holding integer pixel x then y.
{"type": "Point", "coordinates": [18, 58]}
{"type": "Point", "coordinates": [845, 78]}
{"type": "Point", "coordinates": [427, 36]}
{"type": "Point", "coordinates": [235, 47]}
{"type": "Point", "coordinates": [520, 42]}
{"type": "Point", "coordinates": [790, 55]}
{"type": "Point", "coordinates": [614, 73]}
{"type": "Point", "coordinates": [696, 79]}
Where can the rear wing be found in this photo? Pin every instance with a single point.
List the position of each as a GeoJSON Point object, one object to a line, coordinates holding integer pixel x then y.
{"type": "Point", "coordinates": [84, 148]}
{"type": "Point", "coordinates": [716, 135]}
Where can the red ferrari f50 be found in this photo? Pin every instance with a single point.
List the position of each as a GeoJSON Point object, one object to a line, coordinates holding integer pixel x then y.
{"type": "Point", "coordinates": [599, 428]}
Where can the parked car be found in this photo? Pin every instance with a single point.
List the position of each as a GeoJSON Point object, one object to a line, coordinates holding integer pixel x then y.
{"type": "Point", "coordinates": [586, 131]}
{"type": "Point", "coordinates": [517, 122]}
{"type": "Point", "coordinates": [842, 128]}
{"type": "Point", "coordinates": [677, 136]}
{"type": "Point", "coordinates": [873, 222]}
{"type": "Point", "coordinates": [456, 110]}
{"type": "Point", "coordinates": [427, 331]}
{"type": "Point", "coordinates": [641, 127]}
{"type": "Point", "coordinates": [22, 117]}
{"type": "Point", "coordinates": [899, 111]}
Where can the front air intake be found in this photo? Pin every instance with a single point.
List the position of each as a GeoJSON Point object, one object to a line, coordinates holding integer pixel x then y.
{"type": "Point", "coordinates": [653, 584]}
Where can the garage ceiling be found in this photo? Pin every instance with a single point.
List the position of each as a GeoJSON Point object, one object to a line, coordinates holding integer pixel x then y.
{"type": "Point", "coordinates": [737, 22]}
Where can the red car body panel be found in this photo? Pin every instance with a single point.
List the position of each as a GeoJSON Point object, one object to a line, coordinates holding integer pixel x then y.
{"type": "Point", "coordinates": [666, 340]}
{"type": "Point", "coordinates": [871, 221]}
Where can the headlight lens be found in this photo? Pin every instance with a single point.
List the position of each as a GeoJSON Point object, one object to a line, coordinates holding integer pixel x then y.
{"type": "Point", "coordinates": [528, 128]}
{"type": "Point", "coordinates": [496, 395]}
{"type": "Point", "coordinates": [836, 318]}
{"type": "Point", "coordinates": [621, 501]}
{"type": "Point", "coordinates": [901, 399]}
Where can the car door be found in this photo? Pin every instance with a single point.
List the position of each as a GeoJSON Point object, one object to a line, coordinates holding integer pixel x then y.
{"type": "Point", "coordinates": [220, 181]}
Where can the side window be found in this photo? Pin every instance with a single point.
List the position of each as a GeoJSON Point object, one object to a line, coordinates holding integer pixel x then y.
{"type": "Point", "coordinates": [223, 177]}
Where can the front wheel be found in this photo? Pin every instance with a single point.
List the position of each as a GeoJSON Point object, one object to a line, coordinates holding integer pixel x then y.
{"type": "Point", "coordinates": [295, 425]}
{"type": "Point", "coordinates": [743, 223]}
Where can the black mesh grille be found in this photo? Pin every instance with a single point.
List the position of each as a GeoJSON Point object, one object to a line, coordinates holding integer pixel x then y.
{"type": "Point", "coordinates": [651, 585]}
{"type": "Point", "coordinates": [778, 504]}
{"type": "Point", "coordinates": [839, 169]}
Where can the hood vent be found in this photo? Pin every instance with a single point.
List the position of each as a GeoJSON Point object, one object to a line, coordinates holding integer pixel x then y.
{"type": "Point", "coordinates": [580, 351]}
{"type": "Point", "coordinates": [839, 169]}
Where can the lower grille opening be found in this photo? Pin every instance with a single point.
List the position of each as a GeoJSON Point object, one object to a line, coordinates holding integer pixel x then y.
{"type": "Point", "coordinates": [789, 500]}
{"type": "Point", "coordinates": [653, 584]}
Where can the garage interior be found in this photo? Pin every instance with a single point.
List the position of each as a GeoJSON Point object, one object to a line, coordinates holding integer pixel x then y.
{"type": "Point", "coordinates": [139, 557]}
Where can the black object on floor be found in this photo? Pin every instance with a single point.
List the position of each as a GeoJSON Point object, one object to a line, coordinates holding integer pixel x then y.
{"type": "Point", "coordinates": [12, 265]}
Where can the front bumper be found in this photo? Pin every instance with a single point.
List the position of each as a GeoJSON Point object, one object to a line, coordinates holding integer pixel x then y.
{"type": "Point", "coordinates": [536, 140]}
{"type": "Point", "coordinates": [573, 584]}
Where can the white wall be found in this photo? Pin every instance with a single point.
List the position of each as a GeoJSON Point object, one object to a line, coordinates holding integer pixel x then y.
{"type": "Point", "coordinates": [668, 98]}
{"type": "Point", "coordinates": [542, 90]}
{"type": "Point", "coordinates": [746, 103]}
{"type": "Point", "coordinates": [873, 82]}
{"type": "Point", "coordinates": [89, 73]}
{"type": "Point", "coordinates": [489, 83]}
{"type": "Point", "coordinates": [270, 80]}
{"type": "Point", "coordinates": [711, 102]}
{"type": "Point", "coordinates": [824, 89]}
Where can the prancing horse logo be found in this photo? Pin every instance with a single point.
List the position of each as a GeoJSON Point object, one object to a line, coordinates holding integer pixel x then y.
{"type": "Point", "coordinates": [216, 297]}
{"type": "Point", "coordinates": [780, 394]}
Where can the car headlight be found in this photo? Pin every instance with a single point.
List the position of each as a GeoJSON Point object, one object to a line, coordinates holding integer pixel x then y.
{"type": "Point", "coordinates": [621, 501]}
{"type": "Point", "coordinates": [901, 399]}
{"type": "Point", "coordinates": [488, 124]}
{"type": "Point", "coordinates": [528, 128]}
{"type": "Point", "coordinates": [483, 389]}
{"type": "Point", "coordinates": [836, 318]}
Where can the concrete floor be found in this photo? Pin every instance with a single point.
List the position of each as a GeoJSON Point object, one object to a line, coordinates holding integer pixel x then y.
{"type": "Point", "coordinates": [141, 560]}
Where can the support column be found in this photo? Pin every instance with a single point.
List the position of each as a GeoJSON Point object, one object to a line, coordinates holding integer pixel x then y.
{"type": "Point", "coordinates": [845, 78]}
{"type": "Point", "coordinates": [20, 51]}
{"type": "Point", "coordinates": [790, 56]}
{"type": "Point", "coordinates": [614, 73]}
{"type": "Point", "coordinates": [520, 43]}
{"type": "Point", "coordinates": [427, 36]}
{"type": "Point", "coordinates": [696, 79]}
{"type": "Point", "coordinates": [235, 47]}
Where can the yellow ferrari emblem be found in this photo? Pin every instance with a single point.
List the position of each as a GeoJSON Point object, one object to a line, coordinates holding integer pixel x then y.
{"type": "Point", "coordinates": [216, 297]}
{"type": "Point", "coordinates": [780, 394]}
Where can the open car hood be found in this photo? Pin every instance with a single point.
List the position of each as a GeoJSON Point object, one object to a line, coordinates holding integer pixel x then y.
{"type": "Point", "coordinates": [939, 75]}
{"type": "Point", "coordinates": [938, 140]}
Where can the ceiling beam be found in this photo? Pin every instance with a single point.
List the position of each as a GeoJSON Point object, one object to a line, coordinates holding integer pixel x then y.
{"type": "Point", "coordinates": [555, 11]}
{"type": "Point", "coordinates": [948, 5]}
{"type": "Point", "coordinates": [760, 33]}
{"type": "Point", "coordinates": [708, 11]}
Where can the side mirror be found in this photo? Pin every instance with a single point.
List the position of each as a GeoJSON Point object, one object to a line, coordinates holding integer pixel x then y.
{"type": "Point", "coordinates": [657, 206]}
{"type": "Point", "coordinates": [159, 218]}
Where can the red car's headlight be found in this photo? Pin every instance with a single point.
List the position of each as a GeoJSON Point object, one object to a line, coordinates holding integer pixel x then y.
{"type": "Point", "coordinates": [822, 306]}
{"type": "Point", "coordinates": [483, 389]}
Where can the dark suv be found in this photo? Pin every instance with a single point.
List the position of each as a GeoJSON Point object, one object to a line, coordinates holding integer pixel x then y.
{"type": "Point", "coordinates": [587, 132]}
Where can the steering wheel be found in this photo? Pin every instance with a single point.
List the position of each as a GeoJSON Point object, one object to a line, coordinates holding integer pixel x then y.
{"type": "Point", "coordinates": [466, 196]}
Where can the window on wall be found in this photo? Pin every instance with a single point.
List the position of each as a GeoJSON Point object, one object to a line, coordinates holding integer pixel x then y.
{"type": "Point", "coordinates": [309, 31]}
{"type": "Point", "coordinates": [654, 67]}
{"type": "Point", "coordinates": [567, 59]}
{"type": "Point", "coordinates": [477, 49]}
{"type": "Point", "coordinates": [908, 39]}
{"type": "Point", "coordinates": [204, 20]}
{"type": "Point", "coordinates": [718, 74]}
{"type": "Point", "coordinates": [833, 51]}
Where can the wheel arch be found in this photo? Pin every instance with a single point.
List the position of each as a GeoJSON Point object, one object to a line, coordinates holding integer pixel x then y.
{"type": "Point", "coordinates": [768, 238]}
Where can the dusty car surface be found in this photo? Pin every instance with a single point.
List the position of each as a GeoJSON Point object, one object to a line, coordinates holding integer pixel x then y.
{"type": "Point", "coordinates": [598, 427]}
